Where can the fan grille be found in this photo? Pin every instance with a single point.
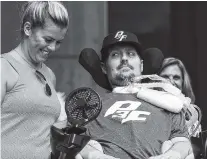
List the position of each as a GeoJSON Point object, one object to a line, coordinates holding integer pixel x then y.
{"type": "Point", "coordinates": [82, 105]}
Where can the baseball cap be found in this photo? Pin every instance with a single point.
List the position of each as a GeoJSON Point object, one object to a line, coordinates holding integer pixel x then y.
{"type": "Point", "coordinates": [121, 37]}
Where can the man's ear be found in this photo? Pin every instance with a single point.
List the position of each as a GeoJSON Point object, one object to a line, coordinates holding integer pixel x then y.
{"type": "Point", "coordinates": [141, 65]}
{"type": "Point", "coordinates": [103, 67]}
{"type": "Point", "coordinates": [27, 28]}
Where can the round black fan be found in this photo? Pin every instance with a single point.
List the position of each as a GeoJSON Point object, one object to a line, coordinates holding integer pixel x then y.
{"type": "Point", "coordinates": [82, 106]}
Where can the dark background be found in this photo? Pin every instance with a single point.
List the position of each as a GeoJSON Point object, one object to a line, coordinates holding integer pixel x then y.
{"type": "Point", "coordinates": [179, 29]}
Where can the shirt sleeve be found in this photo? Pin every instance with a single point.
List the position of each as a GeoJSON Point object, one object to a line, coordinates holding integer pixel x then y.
{"type": "Point", "coordinates": [178, 127]}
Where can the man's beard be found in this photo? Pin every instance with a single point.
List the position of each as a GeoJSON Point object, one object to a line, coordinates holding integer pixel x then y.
{"type": "Point", "coordinates": [123, 80]}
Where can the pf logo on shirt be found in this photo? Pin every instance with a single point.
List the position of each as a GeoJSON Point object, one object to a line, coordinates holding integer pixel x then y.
{"type": "Point", "coordinates": [127, 111]}
{"type": "Point", "coordinates": [120, 35]}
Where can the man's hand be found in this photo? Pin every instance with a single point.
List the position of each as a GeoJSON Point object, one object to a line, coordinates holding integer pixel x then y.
{"type": "Point", "coordinates": [168, 155]}
{"type": "Point", "coordinates": [93, 150]}
{"type": "Point", "coordinates": [78, 156]}
{"type": "Point", "coordinates": [172, 155]}
{"type": "Point", "coordinates": [104, 156]}
{"type": "Point", "coordinates": [167, 145]}
{"type": "Point", "coordinates": [193, 115]}
{"type": "Point", "coordinates": [191, 156]}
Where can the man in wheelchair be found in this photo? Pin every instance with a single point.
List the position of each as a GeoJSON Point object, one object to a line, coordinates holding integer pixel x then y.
{"type": "Point", "coordinates": [137, 120]}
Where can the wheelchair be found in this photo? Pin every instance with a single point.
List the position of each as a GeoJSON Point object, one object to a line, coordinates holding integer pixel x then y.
{"type": "Point", "coordinates": [199, 144]}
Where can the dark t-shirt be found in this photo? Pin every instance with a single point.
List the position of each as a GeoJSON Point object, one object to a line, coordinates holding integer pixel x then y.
{"type": "Point", "coordinates": [130, 128]}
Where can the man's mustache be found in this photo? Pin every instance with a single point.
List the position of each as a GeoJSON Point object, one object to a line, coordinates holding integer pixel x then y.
{"type": "Point", "coordinates": [125, 64]}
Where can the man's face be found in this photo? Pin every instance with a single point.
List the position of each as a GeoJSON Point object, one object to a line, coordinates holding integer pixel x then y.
{"type": "Point", "coordinates": [122, 65]}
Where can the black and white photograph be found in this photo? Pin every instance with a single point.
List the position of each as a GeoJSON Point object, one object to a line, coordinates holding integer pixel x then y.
{"type": "Point", "coordinates": [103, 79]}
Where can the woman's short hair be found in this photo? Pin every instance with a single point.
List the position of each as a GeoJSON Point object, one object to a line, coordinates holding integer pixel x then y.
{"type": "Point", "coordinates": [36, 12]}
{"type": "Point", "coordinates": [186, 86]}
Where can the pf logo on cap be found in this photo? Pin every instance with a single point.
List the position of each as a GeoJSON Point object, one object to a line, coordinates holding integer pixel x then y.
{"type": "Point", "coordinates": [120, 35]}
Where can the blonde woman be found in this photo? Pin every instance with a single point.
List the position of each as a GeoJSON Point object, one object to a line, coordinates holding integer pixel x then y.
{"type": "Point", "coordinates": [29, 104]}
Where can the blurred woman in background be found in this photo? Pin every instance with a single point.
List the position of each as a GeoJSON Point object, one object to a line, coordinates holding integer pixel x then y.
{"type": "Point", "coordinates": [174, 70]}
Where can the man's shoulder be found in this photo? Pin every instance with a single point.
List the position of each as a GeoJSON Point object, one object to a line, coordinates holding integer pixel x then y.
{"type": "Point", "coordinates": [110, 96]}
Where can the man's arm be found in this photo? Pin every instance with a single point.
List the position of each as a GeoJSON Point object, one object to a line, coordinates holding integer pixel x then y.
{"type": "Point", "coordinates": [176, 148]}
{"type": "Point", "coordinates": [181, 145]}
{"type": "Point", "coordinates": [179, 136]}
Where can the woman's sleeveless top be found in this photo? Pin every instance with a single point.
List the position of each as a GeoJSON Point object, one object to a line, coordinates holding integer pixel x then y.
{"type": "Point", "coordinates": [27, 114]}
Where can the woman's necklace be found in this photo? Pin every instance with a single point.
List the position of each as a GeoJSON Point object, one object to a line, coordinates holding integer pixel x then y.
{"type": "Point", "coordinates": [29, 64]}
